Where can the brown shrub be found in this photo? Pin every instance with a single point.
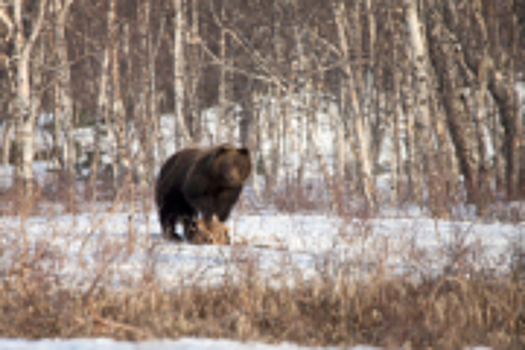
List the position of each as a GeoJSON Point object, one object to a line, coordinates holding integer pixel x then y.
{"type": "Point", "coordinates": [441, 311]}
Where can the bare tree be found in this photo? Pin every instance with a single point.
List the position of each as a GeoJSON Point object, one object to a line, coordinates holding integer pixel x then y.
{"type": "Point", "coordinates": [499, 78]}
{"type": "Point", "coordinates": [64, 111]}
{"type": "Point", "coordinates": [7, 80]}
{"type": "Point", "coordinates": [25, 126]}
{"type": "Point", "coordinates": [434, 79]}
{"type": "Point", "coordinates": [362, 140]}
{"type": "Point", "coordinates": [179, 68]}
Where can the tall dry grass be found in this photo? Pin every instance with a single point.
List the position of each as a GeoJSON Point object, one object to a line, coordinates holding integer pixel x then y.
{"type": "Point", "coordinates": [439, 312]}
{"type": "Point", "coordinates": [459, 305]}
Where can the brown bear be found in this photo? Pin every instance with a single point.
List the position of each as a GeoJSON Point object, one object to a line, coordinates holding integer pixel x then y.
{"type": "Point", "coordinates": [215, 232]}
{"type": "Point", "coordinates": [196, 181]}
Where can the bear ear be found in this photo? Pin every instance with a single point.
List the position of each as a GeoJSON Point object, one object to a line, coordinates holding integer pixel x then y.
{"type": "Point", "coordinates": [215, 152]}
{"type": "Point", "coordinates": [222, 149]}
{"type": "Point", "coordinates": [244, 151]}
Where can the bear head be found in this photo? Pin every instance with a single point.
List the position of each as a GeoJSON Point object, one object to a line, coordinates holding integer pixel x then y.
{"type": "Point", "coordinates": [231, 165]}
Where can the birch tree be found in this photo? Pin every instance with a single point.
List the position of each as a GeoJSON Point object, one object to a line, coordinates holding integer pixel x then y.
{"type": "Point", "coordinates": [7, 80]}
{"type": "Point", "coordinates": [179, 68]}
{"type": "Point", "coordinates": [25, 125]}
{"type": "Point", "coordinates": [121, 161]}
{"type": "Point", "coordinates": [498, 77]}
{"type": "Point", "coordinates": [223, 119]}
{"type": "Point", "coordinates": [64, 117]}
{"type": "Point", "coordinates": [452, 85]}
{"type": "Point", "coordinates": [435, 74]}
{"type": "Point", "coordinates": [362, 140]}
{"type": "Point", "coordinates": [422, 66]}
{"type": "Point", "coordinates": [102, 107]}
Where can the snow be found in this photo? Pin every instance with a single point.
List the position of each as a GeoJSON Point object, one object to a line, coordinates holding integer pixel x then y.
{"type": "Point", "coordinates": [6, 176]}
{"type": "Point", "coordinates": [181, 344]}
{"type": "Point", "coordinates": [282, 245]}
{"type": "Point", "coordinates": [300, 240]}
{"type": "Point", "coordinates": [40, 171]}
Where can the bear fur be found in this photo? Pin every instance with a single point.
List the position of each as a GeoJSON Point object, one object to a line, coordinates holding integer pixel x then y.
{"type": "Point", "coordinates": [196, 181]}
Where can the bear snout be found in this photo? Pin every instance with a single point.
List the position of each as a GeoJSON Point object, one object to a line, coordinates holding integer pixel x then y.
{"type": "Point", "coordinates": [232, 178]}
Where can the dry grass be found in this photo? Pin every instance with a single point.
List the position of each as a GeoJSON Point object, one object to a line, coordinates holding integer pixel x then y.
{"type": "Point", "coordinates": [445, 309]}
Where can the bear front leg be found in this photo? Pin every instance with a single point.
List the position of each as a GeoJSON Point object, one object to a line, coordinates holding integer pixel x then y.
{"type": "Point", "coordinates": [190, 227]}
{"type": "Point", "coordinates": [196, 194]}
{"type": "Point", "coordinates": [225, 201]}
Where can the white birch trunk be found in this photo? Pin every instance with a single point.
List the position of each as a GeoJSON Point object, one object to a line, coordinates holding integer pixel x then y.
{"type": "Point", "coordinates": [196, 117]}
{"type": "Point", "coordinates": [419, 57]}
{"type": "Point", "coordinates": [397, 159]}
{"type": "Point", "coordinates": [179, 68]}
{"type": "Point", "coordinates": [65, 101]}
{"type": "Point", "coordinates": [410, 137]}
{"type": "Point", "coordinates": [421, 64]}
{"type": "Point", "coordinates": [143, 127]}
{"type": "Point", "coordinates": [314, 138]}
{"type": "Point", "coordinates": [222, 85]}
{"type": "Point", "coordinates": [102, 111]}
{"type": "Point", "coordinates": [274, 135]}
{"type": "Point", "coordinates": [6, 142]}
{"type": "Point", "coordinates": [361, 136]}
{"type": "Point", "coordinates": [158, 135]}
{"type": "Point", "coordinates": [340, 155]}
{"type": "Point", "coordinates": [121, 161]}
{"type": "Point", "coordinates": [274, 123]}
{"type": "Point", "coordinates": [301, 148]}
{"type": "Point", "coordinates": [26, 119]}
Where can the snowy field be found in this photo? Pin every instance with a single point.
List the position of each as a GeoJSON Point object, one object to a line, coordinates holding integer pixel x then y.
{"type": "Point", "coordinates": [182, 344]}
{"type": "Point", "coordinates": [282, 245]}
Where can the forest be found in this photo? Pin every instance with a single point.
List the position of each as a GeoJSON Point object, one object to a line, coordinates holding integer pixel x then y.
{"type": "Point", "coordinates": [325, 94]}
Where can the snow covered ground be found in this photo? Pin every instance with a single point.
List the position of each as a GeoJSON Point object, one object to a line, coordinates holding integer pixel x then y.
{"type": "Point", "coordinates": [297, 241]}
{"type": "Point", "coordinates": [181, 344]}
{"type": "Point", "coordinates": [282, 245]}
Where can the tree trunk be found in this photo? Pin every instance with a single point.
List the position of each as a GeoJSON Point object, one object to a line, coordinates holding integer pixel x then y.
{"type": "Point", "coordinates": [397, 159]}
{"type": "Point", "coordinates": [153, 100]}
{"type": "Point", "coordinates": [179, 67]}
{"type": "Point", "coordinates": [64, 93]}
{"type": "Point", "coordinates": [121, 161]}
{"type": "Point", "coordinates": [6, 142]}
{"type": "Point", "coordinates": [500, 84]}
{"type": "Point", "coordinates": [340, 158]}
{"type": "Point", "coordinates": [313, 106]}
{"type": "Point", "coordinates": [26, 119]}
{"type": "Point", "coordinates": [193, 115]}
{"type": "Point", "coordinates": [247, 121]}
{"type": "Point", "coordinates": [451, 86]}
{"type": "Point", "coordinates": [361, 136]}
{"type": "Point", "coordinates": [424, 135]}
{"type": "Point", "coordinates": [222, 117]}
{"type": "Point", "coordinates": [102, 111]}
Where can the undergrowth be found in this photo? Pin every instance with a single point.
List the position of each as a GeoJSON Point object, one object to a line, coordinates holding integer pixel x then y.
{"type": "Point", "coordinates": [420, 309]}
